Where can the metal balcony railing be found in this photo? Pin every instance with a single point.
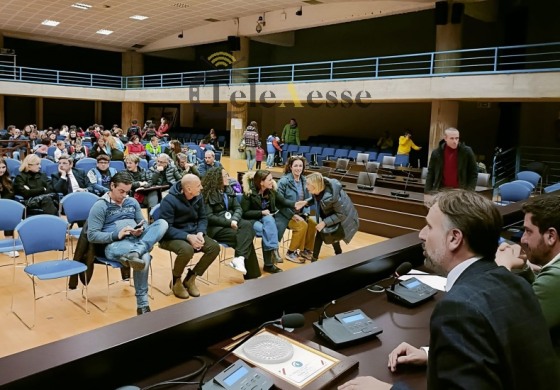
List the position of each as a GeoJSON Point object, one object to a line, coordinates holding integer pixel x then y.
{"type": "Point", "coordinates": [543, 57]}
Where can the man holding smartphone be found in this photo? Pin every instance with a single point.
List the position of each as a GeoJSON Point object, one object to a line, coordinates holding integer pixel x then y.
{"type": "Point", "coordinates": [116, 220]}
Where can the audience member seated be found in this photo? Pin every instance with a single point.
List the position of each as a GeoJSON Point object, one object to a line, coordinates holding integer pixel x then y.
{"type": "Point", "coordinates": [185, 212]}
{"type": "Point", "coordinates": [78, 150]}
{"type": "Point", "coordinates": [260, 203]}
{"type": "Point", "coordinates": [7, 192]}
{"type": "Point", "coordinates": [537, 259]}
{"type": "Point", "coordinates": [210, 142]}
{"type": "Point", "coordinates": [15, 142]}
{"type": "Point", "coordinates": [153, 149]}
{"type": "Point", "coordinates": [135, 147]}
{"type": "Point", "coordinates": [68, 179]}
{"type": "Point", "coordinates": [113, 220]}
{"type": "Point", "coordinates": [115, 145]}
{"type": "Point", "coordinates": [209, 162]}
{"type": "Point", "coordinates": [141, 178]}
{"type": "Point", "coordinates": [35, 187]}
{"type": "Point", "coordinates": [99, 148]}
{"type": "Point", "coordinates": [164, 172]}
{"type": "Point", "coordinates": [173, 150]}
{"type": "Point", "coordinates": [60, 150]}
{"type": "Point", "coordinates": [293, 187]}
{"type": "Point", "coordinates": [100, 176]}
{"type": "Point", "coordinates": [163, 128]}
{"type": "Point", "coordinates": [184, 166]}
{"type": "Point", "coordinates": [225, 224]}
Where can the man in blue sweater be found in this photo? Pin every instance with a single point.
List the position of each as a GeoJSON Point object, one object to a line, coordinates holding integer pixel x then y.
{"type": "Point", "coordinates": [116, 220]}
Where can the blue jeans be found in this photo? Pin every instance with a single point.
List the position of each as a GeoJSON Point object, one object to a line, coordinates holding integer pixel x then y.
{"type": "Point", "coordinates": [270, 160]}
{"type": "Point", "coordinates": [251, 154]}
{"type": "Point", "coordinates": [266, 228]}
{"type": "Point", "coordinates": [142, 245]}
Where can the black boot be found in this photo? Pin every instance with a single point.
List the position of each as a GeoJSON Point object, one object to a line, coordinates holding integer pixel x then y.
{"type": "Point", "coordinates": [268, 264]}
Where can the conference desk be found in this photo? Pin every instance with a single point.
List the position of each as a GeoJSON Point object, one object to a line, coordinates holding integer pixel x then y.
{"type": "Point", "coordinates": [145, 349]}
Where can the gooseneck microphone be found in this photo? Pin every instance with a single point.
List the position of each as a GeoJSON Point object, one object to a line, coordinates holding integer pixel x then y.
{"type": "Point", "coordinates": [324, 313]}
{"type": "Point", "coordinates": [403, 193]}
{"type": "Point", "coordinates": [401, 270]}
{"type": "Point", "coordinates": [292, 320]}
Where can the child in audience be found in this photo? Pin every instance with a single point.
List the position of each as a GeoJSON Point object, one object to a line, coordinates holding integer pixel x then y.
{"type": "Point", "coordinates": [60, 150]}
{"type": "Point", "coordinates": [259, 155]}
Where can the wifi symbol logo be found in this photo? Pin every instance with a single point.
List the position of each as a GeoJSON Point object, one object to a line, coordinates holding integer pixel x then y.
{"type": "Point", "coordinates": [221, 59]}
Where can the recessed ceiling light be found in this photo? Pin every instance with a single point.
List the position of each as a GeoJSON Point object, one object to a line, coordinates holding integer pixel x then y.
{"type": "Point", "coordinates": [52, 23]}
{"type": "Point", "coordinates": [138, 17]}
{"type": "Point", "coordinates": [104, 32]}
{"type": "Point", "coordinates": [81, 6]}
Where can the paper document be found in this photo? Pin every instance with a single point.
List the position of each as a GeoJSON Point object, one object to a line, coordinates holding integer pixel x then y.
{"type": "Point", "coordinates": [434, 281]}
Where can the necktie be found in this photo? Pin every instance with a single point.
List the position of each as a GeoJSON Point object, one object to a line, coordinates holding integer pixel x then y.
{"type": "Point", "coordinates": [69, 182]}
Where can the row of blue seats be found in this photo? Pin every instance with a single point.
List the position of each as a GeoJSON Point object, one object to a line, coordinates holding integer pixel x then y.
{"type": "Point", "coordinates": [315, 155]}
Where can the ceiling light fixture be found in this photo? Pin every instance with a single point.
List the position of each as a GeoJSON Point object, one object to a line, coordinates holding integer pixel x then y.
{"type": "Point", "coordinates": [299, 12]}
{"type": "Point", "coordinates": [181, 35]}
{"type": "Point", "coordinates": [260, 24]}
{"type": "Point", "coordinates": [138, 17]}
{"type": "Point", "coordinates": [104, 32]}
{"type": "Point", "coordinates": [51, 23]}
{"type": "Point", "coordinates": [81, 6]}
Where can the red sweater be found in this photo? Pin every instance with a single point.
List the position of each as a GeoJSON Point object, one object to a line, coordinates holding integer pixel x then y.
{"type": "Point", "coordinates": [450, 168]}
{"type": "Point", "coordinates": [136, 149]}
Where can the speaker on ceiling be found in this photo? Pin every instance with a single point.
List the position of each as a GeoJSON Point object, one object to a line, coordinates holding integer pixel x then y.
{"type": "Point", "coordinates": [441, 12]}
{"type": "Point", "coordinates": [234, 43]}
{"type": "Point", "coordinates": [457, 10]}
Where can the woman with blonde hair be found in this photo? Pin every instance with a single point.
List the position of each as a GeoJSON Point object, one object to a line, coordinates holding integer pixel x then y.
{"type": "Point", "coordinates": [116, 153]}
{"type": "Point", "coordinates": [35, 187]}
{"type": "Point", "coordinates": [332, 206]}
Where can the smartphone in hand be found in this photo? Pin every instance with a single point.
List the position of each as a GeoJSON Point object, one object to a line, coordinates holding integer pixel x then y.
{"type": "Point", "coordinates": [139, 225]}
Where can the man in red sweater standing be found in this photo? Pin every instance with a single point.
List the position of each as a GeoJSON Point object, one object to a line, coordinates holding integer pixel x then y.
{"type": "Point", "coordinates": [452, 165]}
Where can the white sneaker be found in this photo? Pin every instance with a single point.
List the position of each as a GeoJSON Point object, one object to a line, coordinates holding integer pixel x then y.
{"type": "Point", "coordinates": [12, 253]}
{"type": "Point", "coordinates": [238, 264]}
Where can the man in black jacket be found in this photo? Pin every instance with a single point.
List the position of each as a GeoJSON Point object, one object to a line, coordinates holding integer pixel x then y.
{"type": "Point", "coordinates": [452, 165]}
{"type": "Point", "coordinates": [185, 212]}
{"type": "Point", "coordinates": [68, 179]}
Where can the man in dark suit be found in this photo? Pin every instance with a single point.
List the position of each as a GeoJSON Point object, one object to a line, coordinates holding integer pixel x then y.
{"type": "Point", "coordinates": [488, 332]}
{"type": "Point", "coordinates": [68, 179]}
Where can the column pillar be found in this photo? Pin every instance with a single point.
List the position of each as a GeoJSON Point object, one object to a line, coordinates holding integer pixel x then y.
{"type": "Point", "coordinates": [445, 113]}
{"type": "Point", "coordinates": [39, 110]}
{"type": "Point", "coordinates": [98, 112]}
{"type": "Point", "coordinates": [132, 65]}
{"type": "Point", "coordinates": [237, 114]}
{"type": "Point", "coordinates": [186, 115]}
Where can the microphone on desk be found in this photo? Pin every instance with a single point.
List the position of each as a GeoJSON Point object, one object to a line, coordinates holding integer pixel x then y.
{"type": "Point", "coordinates": [324, 313]}
{"type": "Point", "coordinates": [411, 292]}
{"type": "Point", "coordinates": [292, 320]}
{"type": "Point", "coordinates": [403, 193]}
{"type": "Point", "coordinates": [401, 270]}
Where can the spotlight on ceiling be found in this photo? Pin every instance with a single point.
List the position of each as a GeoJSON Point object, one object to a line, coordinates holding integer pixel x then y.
{"type": "Point", "coordinates": [260, 24]}
{"type": "Point", "coordinates": [180, 35]}
{"type": "Point", "coordinates": [299, 12]}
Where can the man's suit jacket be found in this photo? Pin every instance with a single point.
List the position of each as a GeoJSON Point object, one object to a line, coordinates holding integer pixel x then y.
{"type": "Point", "coordinates": [61, 185]}
{"type": "Point", "coordinates": [488, 332]}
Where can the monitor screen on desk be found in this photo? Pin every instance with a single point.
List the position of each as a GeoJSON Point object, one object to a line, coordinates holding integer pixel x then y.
{"type": "Point", "coordinates": [367, 179]}
{"type": "Point", "coordinates": [362, 158]}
